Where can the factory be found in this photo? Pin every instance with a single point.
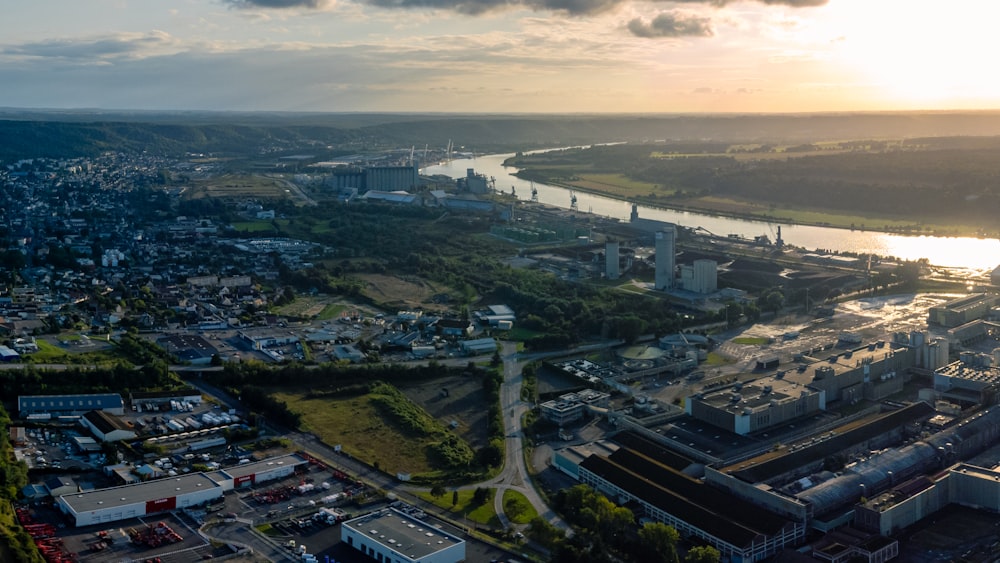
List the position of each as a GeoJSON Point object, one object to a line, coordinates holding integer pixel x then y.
{"type": "Point", "coordinates": [645, 473]}
{"type": "Point", "coordinates": [961, 311]}
{"type": "Point", "coordinates": [59, 405]}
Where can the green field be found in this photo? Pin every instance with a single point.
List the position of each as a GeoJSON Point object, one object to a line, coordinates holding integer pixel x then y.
{"type": "Point", "coordinates": [517, 508]}
{"type": "Point", "coordinates": [407, 442]}
{"type": "Point", "coordinates": [49, 353]}
{"type": "Point", "coordinates": [465, 510]}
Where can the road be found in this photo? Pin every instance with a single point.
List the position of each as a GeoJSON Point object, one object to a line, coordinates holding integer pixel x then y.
{"type": "Point", "coordinates": [514, 475]}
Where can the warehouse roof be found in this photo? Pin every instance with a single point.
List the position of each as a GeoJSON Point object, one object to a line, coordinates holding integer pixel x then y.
{"type": "Point", "coordinates": [290, 460]}
{"type": "Point", "coordinates": [102, 499]}
{"type": "Point", "coordinates": [403, 533]}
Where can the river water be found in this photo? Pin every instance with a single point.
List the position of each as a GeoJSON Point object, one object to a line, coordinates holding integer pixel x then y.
{"type": "Point", "coordinates": [974, 255]}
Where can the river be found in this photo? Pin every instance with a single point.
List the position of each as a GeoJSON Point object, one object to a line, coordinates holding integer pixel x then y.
{"type": "Point", "coordinates": [975, 256]}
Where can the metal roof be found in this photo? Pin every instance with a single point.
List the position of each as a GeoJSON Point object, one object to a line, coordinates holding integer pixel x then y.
{"type": "Point", "coordinates": [102, 499]}
{"type": "Point", "coordinates": [402, 533]}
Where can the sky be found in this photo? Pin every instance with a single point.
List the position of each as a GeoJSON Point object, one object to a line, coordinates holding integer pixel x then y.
{"type": "Point", "coordinates": [506, 56]}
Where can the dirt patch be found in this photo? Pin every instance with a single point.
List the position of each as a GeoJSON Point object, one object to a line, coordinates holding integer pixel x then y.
{"type": "Point", "coordinates": [460, 399]}
{"type": "Point", "coordinates": [410, 292]}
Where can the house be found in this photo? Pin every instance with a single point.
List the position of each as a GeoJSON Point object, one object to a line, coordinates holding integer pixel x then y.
{"type": "Point", "coordinates": [106, 427]}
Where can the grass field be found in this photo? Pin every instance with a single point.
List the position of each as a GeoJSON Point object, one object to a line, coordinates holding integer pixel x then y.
{"type": "Point", "coordinates": [396, 292]}
{"type": "Point", "coordinates": [465, 510]}
{"type": "Point", "coordinates": [239, 185]}
{"type": "Point", "coordinates": [49, 353]}
{"type": "Point", "coordinates": [520, 334]}
{"type": "Point", "coordinates": [617, 185]}
{"type": "Point", "coordinates": [361, 430]}
{"type": "Point", "coordinates": [517, 508]}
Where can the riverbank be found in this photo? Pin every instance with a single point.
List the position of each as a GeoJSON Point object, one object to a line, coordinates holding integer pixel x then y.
{"type": "Point", "coordinates": [749, 211]}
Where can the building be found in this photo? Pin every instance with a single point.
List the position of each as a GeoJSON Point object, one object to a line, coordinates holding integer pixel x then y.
{"type": "Point", "coordinates": [398, 197]}
{"type": "Point", "coordinates": [106, 427]}
{"type": "Point", "coordinates": [666, 241]}
{"type": "Point", "coordinates": [648, 475]}
{"type": "Point", "coordinates": [961, 311]}
{"type": "Point", "coordinates": [454, 327]}
{"type": "Point", "coordinates": [761, 405]}
{"type": "Point", "coordinates": [611, 261]}
{"type": "Point", "coordinates": [132, 501]}
{"type": "Point", "coordinates": [700, 277]}
{"type": "Point", "coordinates": [60, 485]}
{"type": "Point", "coordinates": [969, 381]}
{"type": "Point", "coordinates": [57, 405]}
{"type": "Point", "coordinates": [189, 348]}
{"type": "Point", "coordinates": [572, 407]}
{"type": "Point", "coordinates": [478, 346]}
{"type": "Point", "coordinates": [391, 535]}
{"type": "Point", "coordinates": [249, 474]}
{"type": "Point", "coordinates": [156, 399]}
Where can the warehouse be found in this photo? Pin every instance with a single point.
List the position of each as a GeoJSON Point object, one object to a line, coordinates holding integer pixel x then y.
{"type": "Point", "coordinates": [107, 428]}
{"type": "Point", "coordinates": [269, 469]}
{"type": "Point", "coordinates": [132, 501]}
{"type": "Point", "coordinates": [393, 535]}
{"type": "Point", "coordinates": [70, 404]}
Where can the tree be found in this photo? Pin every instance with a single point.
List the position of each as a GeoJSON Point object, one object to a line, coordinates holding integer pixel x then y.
{"type": "Point", "coordinates": [454, 497]}
{"type": "Point", "coordinates": [658, 542]}
{"type": "Point", "coordinates": [480, 496]}
{"type": "Point", "coordinates": [703, 554]}
{"type": "Point", "coordinates": [437, 491]}
{"type": "Point", "coordinates": [540, 530]}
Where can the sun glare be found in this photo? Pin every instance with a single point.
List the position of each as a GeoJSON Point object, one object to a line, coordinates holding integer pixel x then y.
{"type": "Point", "coordinates": [921, 54]}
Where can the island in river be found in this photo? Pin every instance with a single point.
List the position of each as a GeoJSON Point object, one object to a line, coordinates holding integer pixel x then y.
{"type": "Point", "coordinates": [933, 186]}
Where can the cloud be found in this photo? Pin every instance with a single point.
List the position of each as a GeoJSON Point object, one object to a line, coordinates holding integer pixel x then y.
{"type": "Point", "coordinates": [121, 45]}
{"type": "Point", "coordinates": [478, 7]}
{"type": "Point", "coordinates": [280, 4]}
{"type": "Point", "coordinates": [671, 24]}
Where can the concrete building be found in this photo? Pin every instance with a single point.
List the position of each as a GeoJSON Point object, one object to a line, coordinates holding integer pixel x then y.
{"type": "Point", "coordinates": [132, 501]}
{"type": "Point", "coordinates": [961, 311]}
{"type": "Point", "coordinates": [700, 277]}
{"type": "Point", "coordinates": [393, 536]}
{"type": "Point", "coordinates": [572, 407]}
{"type": "Point", "coordinates": [57, 405]}
{"type": "Point", "coordinates": [106, 427]}
{"type": "Point", "coordinates": [666, 241]}
{"type": "Point", "coordinates": [970, 381]}
{"type": "Point", "coordinates": [611, 261]}
{"type": "Point", "coordinates": [752, 408]}
{"type": "Point", "coordinates": [648, 475]}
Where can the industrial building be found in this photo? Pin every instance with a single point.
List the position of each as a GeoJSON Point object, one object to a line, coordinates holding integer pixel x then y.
{"type": "Point", "coordinates": [868, 372]}
{"type": "Point", "coordinates": [478, 346]}
{"type": "Point", "coordinates": [700, 277]}
{"type": "Point", "coordinates": [666, 250]}
{"type": "Point", "coordinates": [393, 536]}
{"type": "Point", "coordinates": [252, 473]}
{"type": "Point", "coordinates": [58, 405]}
{"type": "Point", "coordinates": [972, 380]}
{"type": "Point", "coordinates": [374, 178]}
{"type": "Point", "coordinates": [142, 499]}
{"type": "Point", "coordinates": [612, 269]}
{"type": "Point", "coordinates": [572, 407]}
{"type": "Point", "coordinates": [647, 474]}
{"type": "Point", "coordinates": [961, 311]}
{"type": "Point", "coordinates": [106, 427]}
{"type": "Point", "coordinates": [750, 408]}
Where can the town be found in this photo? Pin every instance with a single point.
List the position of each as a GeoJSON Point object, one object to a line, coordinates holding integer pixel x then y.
{"type": "Point", "coordinates": [355, 359]}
